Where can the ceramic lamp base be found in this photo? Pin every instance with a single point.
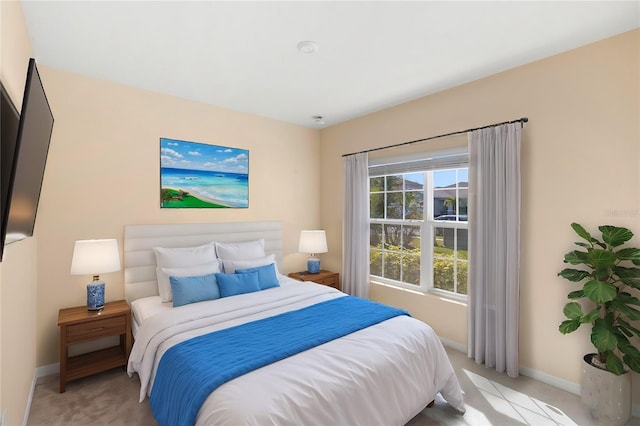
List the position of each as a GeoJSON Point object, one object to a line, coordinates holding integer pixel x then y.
{"type": "Point", "coordinates": [95, 296]}
{"type": "Point", "coordinates": [313, 265]}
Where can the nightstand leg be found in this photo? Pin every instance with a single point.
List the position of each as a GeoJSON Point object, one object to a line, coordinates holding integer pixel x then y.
{"type": "Point", "coordinates": [63, 357]}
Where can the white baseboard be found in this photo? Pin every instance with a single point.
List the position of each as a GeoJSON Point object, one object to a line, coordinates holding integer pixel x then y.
{"type": "Point", "coordinates": [27, 408]}
{"type": "Point", "coordinates": [43, 371]}
{"type": "Point", "coordinates": [453, 345]}
{"type": "Point", "coordinates": [557, 382]}
{"type": "Point", "coordinates": [47, 370]}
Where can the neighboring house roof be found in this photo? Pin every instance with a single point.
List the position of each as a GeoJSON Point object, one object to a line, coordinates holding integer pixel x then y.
{"type": "Point", "coordinates": [444, 192]}
{"type": "Point", "coordinates": [412, 185]}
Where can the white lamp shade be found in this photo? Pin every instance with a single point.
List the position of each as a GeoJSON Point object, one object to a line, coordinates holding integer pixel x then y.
{"type": "Point", "coordinates": [314, 241]}
{"type": "Point", "coordinates": [94, 257]}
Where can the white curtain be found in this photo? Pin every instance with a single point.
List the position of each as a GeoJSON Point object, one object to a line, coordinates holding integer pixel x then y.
{"type": "Point", "coordinates": [494, 241]}
{"type": "Point", "coordinates": [355, 226]}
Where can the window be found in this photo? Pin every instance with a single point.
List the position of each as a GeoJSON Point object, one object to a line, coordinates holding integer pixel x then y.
{"type": "Point", "coordinates": [410, 207]}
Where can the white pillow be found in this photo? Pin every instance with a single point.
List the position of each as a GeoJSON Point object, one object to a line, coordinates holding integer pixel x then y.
{"type": "Point", "coordinates": [180, 257]}
{"type": "Point", "coordinates": [163, 274]}
{"type": "Point", "coordinates": [231, 265]}
{"type": "Point", "coordinates": [184, 256]}
{"type": "Point", "coordinates": [241, 251]}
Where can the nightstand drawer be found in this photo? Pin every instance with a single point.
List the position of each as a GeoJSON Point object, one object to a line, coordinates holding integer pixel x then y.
{"type": "Point", "coordinates": [328, 278]}
{"type": "Point", "coordinates": [95, 329]}
{"type": "Point", "coordinates": [331, 281]}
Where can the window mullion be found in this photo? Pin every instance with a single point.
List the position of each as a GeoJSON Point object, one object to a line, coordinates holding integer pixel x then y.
{"type": "Point", "coordinates": [426, 254]}
{"type": "Point", "coordinates": [457, 199]}
{"type": "Point", "coordinates": [455, 260]}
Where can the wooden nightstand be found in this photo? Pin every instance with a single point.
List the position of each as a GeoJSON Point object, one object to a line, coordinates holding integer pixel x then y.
{"type": "Point", "coordinates": [332, 279]}
{"type": "Point", "coordinates": [78, 325]}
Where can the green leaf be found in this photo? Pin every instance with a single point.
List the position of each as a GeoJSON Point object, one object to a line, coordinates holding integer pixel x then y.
{"type": "Point", "coordinates": [576, 294]}
{"type": "Point", "coordinates": [624, 272]}
{"type": "Point", "coordinates": [627, 299]}
{"type": "Point", "coordinates": [598, 258]}
{"type": "Point", "coordinates": [632, 313]}
{"type": "Point", "coordinates": [628, 276]}
{"type": "Point", "coordinates": [591, 316]}
{"type": "Point", "coordinates": [608, 316]}
{"type": "Point", "coordinates": [629, 253]}
{"type": "Point", "coordinates": [614, 364]}
{"type": "Point", "coordinates": [626, 347]}
{"type": "Point", "coordinates": [573, 310]}
{"type": "Point", "coordinates": [600, 291]}
{"type": "Point", "coordinates": [615, 236]}
{"type": "Point", "coordinates": [603, 337]}
{"type": "Point", "coordinates": [585, 245]}
{"type": "Point", "coordinates": [574, 275]}
{"type": "Point", "coordinates": [634, 283]}
{"type": "Point", "coordinates": [626, 332]}
{"type": "Point", "coordinates": [623, 324]}
{"type": "Point", "coordinates": [602, 272]}
{"type": "Point", "coordinates": [582, 232]}
{"type": "Point", "coordinates": [575, 257]}
{"type": "Point", "coordinates": [632, 362]}
{"type": "Point", "coordinates": [569, 326]}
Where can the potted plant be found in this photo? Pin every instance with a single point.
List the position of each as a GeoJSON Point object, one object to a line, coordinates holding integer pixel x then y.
{"type": "Point", "coordinates": [610, 275]}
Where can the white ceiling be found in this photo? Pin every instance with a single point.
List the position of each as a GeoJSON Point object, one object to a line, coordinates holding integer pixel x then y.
{"type": "Point", "coordinates": [372, 54]}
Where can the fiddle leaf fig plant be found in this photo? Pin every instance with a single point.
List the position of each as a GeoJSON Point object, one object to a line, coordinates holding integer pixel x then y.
{"type": "Point", "coordinates": [610, 276]}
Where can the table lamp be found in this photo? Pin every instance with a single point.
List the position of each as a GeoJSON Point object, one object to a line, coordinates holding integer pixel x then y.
{"type": "Point", "coordinates": [313, 242]}
{"type": "Point", "coordinates": [94, 257]}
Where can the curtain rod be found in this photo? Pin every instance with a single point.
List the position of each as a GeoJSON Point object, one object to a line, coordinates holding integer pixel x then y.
{"type": "Point", "coordinates": [521, 120]}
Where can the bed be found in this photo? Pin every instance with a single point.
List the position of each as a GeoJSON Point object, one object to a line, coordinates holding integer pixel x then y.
{"type": "Point", "coordinates": [382, 373]}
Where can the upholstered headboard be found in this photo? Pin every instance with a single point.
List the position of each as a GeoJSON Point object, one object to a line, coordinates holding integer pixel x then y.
{"type": "Point", "coordinates": [139, 240]}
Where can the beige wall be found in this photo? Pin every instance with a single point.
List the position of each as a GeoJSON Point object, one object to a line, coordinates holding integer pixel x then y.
{"type": "Point", "coordinates": [18, 287]}
{"type": "Point", "coordinates": [580, 157]}
{"type": "Point", "coordinates": [103, 173]}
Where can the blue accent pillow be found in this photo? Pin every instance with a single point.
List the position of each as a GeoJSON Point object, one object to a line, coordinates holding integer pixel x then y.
{"type": "Point", "coordinates": [193, 289]}
{"type": "Point", "coordinates": [233, 284]}
{"type": "Point", "coordinates": [267, 277]}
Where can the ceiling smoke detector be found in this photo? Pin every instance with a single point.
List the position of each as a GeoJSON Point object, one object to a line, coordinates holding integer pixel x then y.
{"type": "Point", "coordinates": [318, 119]}
{"type": "Point", "coordinates": [307, 47]}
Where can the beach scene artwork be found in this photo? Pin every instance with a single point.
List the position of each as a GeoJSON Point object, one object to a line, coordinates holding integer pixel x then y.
{"type": "Point", "coordinates": [198, 175]}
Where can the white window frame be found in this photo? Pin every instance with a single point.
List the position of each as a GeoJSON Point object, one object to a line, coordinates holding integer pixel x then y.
{"type": "Point", "coordinates": [427, 224]}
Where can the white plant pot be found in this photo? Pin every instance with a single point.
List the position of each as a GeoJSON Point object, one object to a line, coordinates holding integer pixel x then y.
{"type": "Point", "coordinates": [608, 396]}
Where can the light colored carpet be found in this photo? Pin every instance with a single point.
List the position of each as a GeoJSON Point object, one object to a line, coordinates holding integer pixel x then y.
{"type": "Point", "coordinates": [111, 398]}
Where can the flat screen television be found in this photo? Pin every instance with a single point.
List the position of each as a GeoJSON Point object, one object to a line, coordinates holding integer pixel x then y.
{"type": "Point", "coordinates": [9, 122]}
{"type": "Point", "coordinates": [24, 158]}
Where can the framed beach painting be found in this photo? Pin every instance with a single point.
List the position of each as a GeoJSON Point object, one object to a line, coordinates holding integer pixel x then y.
{"type": "Point", "coordinates": [198, 175]}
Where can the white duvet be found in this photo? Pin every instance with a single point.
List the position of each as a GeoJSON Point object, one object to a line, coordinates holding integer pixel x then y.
{"type": "Point", "coordinates": [382, 375]}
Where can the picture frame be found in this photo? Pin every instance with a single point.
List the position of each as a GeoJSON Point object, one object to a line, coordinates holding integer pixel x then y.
{"type": "Point", "coordinates": [199, 175]}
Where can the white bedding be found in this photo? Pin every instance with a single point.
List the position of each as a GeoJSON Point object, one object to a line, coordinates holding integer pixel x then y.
{"type": "Point", "coordinates": [382, 375]}
{"type": "Point", "coordinates": [146, 307]}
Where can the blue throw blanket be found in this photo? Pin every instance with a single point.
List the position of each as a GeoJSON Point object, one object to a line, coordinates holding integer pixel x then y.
{"type": "Point", "coordinates": [189, 371]}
